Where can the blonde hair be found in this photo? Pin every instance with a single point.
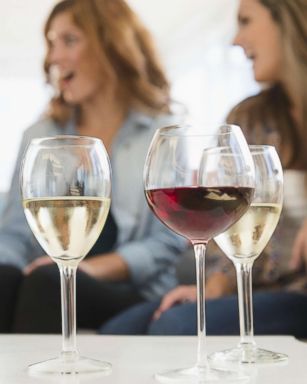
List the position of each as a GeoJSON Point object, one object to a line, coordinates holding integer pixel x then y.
{"type": "Point", "coordinates": [124, 50]}
{"type": "Point", "coordinates": [270, 110]}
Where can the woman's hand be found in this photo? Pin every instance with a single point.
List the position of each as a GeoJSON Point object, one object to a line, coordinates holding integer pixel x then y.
{"type": "Point", "coordinates": [180, 294]}
{"type": "Point", "coordinates": [39, 262]}
{"type": "Point", "coordinates": [299, 249]}
{"type": "Point", "coordinates": [106, 266]}
{"type": "Point", "coordinates": [217, 285]}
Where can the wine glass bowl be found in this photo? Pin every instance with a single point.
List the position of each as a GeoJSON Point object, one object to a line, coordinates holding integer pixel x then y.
{"type": "Point", "coordinates": [243, 243]}
{"type": "Point", "coordinates": [196, 188]}
{"type": "Point", "coordinates": [66, 189]}
{"type": "Point", "coordinates": [186, 195]}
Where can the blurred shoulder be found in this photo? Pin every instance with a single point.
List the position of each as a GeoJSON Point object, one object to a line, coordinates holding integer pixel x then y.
{"type": "Point", "coordinates": [43, 127]}
{"type": "Point", "coordinates": [164, 120]}
{"type": "Point", "coordinates": [255, 116]}
{"type": "Point", "coordinates": [243, 110]}
{"type": "Point", "coordinates": [149, 122]}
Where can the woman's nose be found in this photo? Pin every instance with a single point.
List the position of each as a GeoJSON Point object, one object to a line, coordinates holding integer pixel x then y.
{"type": "Point", "coordinates": [237, 39]}
{"type": "Point", "coordinates": [56, 55]}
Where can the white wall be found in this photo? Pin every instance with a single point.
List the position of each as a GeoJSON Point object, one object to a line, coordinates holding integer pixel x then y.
{"type": "Point", "coordinates": [22, 90]}
{"type": "Point", "coordinates": [193, 37]}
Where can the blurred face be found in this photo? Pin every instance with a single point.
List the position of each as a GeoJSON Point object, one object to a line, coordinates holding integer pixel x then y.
{"type": "Point", "coordinates": [260, 37]}
{"type": "Point", "coordinates": [74, 70]}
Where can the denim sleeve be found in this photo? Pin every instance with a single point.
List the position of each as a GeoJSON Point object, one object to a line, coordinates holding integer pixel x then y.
{"type": "Point", "coordinates": [154, 254]}
{"type": "Point", "coordinates": [149, 248]}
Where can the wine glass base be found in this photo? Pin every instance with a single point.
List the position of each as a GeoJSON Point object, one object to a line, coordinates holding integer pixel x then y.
{"type": "Point", "coordinates": [247, 356]}
{"type": "Point", "coordinates": [79, 365]}
{"type": "Point", "coordinates": [199, 375]}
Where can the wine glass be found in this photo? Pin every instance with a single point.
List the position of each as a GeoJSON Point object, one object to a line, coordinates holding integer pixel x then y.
{"type": "Point", "coordinates": [243, 243]}
{"type": "Point", "coordinates": [198, 185]}
{"type": "Point", "coordinates": [66, 187]}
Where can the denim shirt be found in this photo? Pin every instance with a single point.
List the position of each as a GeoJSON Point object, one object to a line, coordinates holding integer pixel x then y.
{"type": "Point", "coordinates": [147, 246]}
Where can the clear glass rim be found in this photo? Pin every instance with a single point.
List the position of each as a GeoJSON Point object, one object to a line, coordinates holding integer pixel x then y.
{"type": "Point", "coordinates": [196, 131]}
{"type": "Point", "coordinates": [258, 149]}
{"type": "Point", "coordinates": [68, 140]}
{"type": "Point", "coordinates": [254, 150]}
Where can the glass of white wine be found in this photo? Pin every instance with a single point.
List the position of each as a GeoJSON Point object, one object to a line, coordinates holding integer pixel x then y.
{"type": "Point", "coordinates": [66, 188]}
{"type": "Point", "coordinates": [243, 242]}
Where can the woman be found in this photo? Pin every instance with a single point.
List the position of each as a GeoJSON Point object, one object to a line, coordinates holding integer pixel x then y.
{"type": "Point", "coordinates": [110, 85]}
{"type": "Point", "coordinates": [273, 34]}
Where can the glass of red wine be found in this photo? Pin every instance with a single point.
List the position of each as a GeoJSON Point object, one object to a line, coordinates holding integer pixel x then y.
{"type": "Point", "coordinates": [198, 185]}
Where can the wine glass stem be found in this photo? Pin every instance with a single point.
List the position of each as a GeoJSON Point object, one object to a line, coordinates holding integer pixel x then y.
{"type": "Point", "coordinates": [200, 251]}
{"type": "Point", "coordinates": [68, 302]}
{"type": "Point", "coordinates": [244, 281]}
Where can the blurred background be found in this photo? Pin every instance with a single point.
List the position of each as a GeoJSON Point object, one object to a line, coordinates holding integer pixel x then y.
{"type": "Point", "coordinates": [194, 38]}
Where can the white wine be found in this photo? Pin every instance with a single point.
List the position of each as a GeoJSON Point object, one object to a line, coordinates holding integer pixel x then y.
{"type": "Point", "coordinates": [248, 236]}
{"type": "Point", "coordinates": [67, 227]}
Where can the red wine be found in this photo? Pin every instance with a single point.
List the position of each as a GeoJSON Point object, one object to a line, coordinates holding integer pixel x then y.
{"type": "Point", "coordinates": [199, 213]}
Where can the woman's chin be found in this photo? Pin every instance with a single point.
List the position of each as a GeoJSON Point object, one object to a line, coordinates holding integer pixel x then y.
{"type": "Point", "coordinates": [266, 77]}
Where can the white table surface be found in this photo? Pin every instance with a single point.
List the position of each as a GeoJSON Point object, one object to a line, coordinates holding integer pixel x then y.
{"type": "Point", "coordinates": [136, 359]}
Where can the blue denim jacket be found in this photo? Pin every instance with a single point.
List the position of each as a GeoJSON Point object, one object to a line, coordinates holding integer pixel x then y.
{"type": "Point", "coordinates": [148, 247]}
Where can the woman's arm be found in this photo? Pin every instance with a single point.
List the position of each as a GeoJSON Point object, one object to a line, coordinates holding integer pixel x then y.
{"type": "Point", "coordinates": [109, 266]}
{"type": "Point", "coordinates": [299, 249]}
{"type": "Point", "coordinates": [17, 243]}
{"type": "Point", "coordinates": [18, 246]}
